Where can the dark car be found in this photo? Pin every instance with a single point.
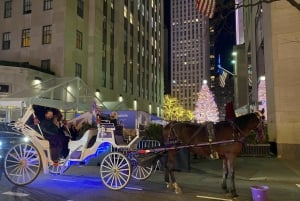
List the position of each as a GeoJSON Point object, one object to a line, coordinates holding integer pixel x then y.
{"type": "Point", "coordinates": [8, 138]}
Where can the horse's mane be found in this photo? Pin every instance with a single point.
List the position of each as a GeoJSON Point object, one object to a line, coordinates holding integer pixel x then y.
{"type": "Point", "coordinates": [243, 120]}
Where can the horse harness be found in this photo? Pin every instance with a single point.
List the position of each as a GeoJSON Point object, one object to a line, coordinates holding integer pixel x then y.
{"type": "Point", "coordinates": [210, 130]}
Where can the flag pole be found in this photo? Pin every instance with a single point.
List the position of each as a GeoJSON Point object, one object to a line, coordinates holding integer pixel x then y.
{"type": "Point", "coordinates": [227, 71]}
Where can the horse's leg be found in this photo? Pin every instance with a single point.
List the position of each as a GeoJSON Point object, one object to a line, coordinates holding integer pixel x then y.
{"type": "Point", "coordinates": [167, 172]}
{"type": "Point", "coordinates": [231, 168]}
{"type": "Point", "coordinates": [225, 174]}
{"type": "Point", "coordinates": [169, 167]}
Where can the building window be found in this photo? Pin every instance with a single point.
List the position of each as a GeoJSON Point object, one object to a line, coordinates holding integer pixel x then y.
{"type": "Point", "coordinates": [7, 8]}
{"type": "Point", "coordinates": [47, 32]}
{"type": "Point", "coordinates": [78, 39]}
{"type": "Point", "coordinates": [26, 6]}
{"type": "Point", "coordinates": [45, 65]}
{"type": "Point", "coordinates": [25, 38]}
{"type": "Point", "coordinates": [78, 70]}
{"type": "Point", "coordinates": [80, 8]}
{"type": "Point", "coordinates": [6, 41]}
{"type": "Point", "coordinates": [48, 4]}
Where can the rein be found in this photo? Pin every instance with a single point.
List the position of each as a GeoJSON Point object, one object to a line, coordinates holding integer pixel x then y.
{"type": "Point", "coordinates": [155, 150]}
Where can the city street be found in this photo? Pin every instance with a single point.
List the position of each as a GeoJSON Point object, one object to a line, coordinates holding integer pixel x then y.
{"type": "Point", "coordinates": [82, 183]}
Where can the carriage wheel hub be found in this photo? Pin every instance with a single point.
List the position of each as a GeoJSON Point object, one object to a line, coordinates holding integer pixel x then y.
{"type": "Point", "coordinates": [23, 162]}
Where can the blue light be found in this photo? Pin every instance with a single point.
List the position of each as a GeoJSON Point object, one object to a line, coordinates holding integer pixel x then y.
{"type": "Point", "coordinates": [104, 147]}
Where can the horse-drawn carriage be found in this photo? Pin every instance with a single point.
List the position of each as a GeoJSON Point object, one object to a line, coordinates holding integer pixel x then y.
{"type": "Point", "coordinates": [23, 161]}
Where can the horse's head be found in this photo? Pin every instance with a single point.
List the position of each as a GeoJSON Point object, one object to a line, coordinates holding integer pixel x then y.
{"type": "Point", "coordinates": [260, 135]}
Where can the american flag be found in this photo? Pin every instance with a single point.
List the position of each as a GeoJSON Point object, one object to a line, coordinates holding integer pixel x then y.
{"type": "Point", "coordinates": [222, 78]}
{"type": "Point", "coordinates": [222, 73]}
{"type": "Point", "coordinates": [206, 7]}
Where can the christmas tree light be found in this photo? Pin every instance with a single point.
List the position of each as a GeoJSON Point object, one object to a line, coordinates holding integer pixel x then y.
{"type": "Point", "coordinates": [262, 96]}
{"type": "Point", "coordinates": [206, 108]}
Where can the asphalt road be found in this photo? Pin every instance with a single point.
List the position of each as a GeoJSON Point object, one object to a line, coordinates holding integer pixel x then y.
{"type": "Point", "coordinates": [82, 183]}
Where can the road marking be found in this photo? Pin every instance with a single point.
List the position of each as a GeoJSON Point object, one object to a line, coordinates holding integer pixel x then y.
{"type": "Point", "coordinates": [15, 194]}
{"type": "Point", "coordinates": [298, 185]}
{"type": "Point", "coordinates": [258, 178]}
{"type": "Point", "coordinates": [133, 188]}
{"type": "Point", "coordinates": [213, 198]}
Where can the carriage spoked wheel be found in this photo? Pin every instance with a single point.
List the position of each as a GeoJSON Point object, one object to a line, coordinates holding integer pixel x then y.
{"type": "Point", "coordinates": [141, 173]}
{"type": "Point", "coordinates": [22, 164]}
{"type": "Point", "coordinates": [115, 171]}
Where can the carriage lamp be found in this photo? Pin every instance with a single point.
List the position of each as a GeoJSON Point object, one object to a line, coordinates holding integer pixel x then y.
{"type": "Point", "coordinates": [26, 139]}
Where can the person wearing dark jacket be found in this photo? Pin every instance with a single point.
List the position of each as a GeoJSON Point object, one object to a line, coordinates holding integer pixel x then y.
{"type": "Point", "coordinates": [52, 134]}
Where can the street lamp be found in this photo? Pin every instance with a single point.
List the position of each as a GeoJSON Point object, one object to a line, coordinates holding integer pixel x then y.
{"type": "Point", "coordinates": [97, 92]}
{"type": "Point", "coordinates": [150, 108]}
{"type": "Point", "coordinates": [120, 98]}
{"type": "Point", "coordinates": [37, 80]}
{"type": "Point", "coordinates": [135, 104]}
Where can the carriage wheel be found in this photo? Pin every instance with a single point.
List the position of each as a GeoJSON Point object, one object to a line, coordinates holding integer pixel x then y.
{"type": "Point", "coordinates": [115, 171]}
{"type": "Point", "coordinates": [141, 173]}
{"type": "Point", "coordinates": [22, 164]}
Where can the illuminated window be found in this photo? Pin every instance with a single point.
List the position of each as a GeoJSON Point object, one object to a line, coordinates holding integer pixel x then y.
{"type": "Point", "coordinates": [125, 11]}
{"type": "Point", "coordinates": [25, 38]}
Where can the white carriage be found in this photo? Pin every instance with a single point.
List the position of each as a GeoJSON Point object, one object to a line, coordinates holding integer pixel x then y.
{"type": "Point", "coordinates": [23, 161]}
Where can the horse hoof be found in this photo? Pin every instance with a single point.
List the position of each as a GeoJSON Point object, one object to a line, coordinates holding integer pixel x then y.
{"type": "Point", "coordinates": [234, 194]}
{"type": "Point", "coordinates": [178, 191]}
{"type": "Point", "coordinates": [225, 189]}
{"type": "Point", "coordinates": [169, 186]}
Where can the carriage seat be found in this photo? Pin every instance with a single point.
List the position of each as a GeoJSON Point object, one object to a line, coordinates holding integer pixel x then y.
{"type": "Point", "coordinates": [118, 132]}
{"type": "Point", "coordinates": [87, 138]}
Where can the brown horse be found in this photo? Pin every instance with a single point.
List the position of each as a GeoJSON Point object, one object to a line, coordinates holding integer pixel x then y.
{"type": "Point", "coordinates": [223, 139]}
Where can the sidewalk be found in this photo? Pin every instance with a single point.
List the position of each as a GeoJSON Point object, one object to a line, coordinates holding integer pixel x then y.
{"type": "Point", "coordinates": [254, 168]}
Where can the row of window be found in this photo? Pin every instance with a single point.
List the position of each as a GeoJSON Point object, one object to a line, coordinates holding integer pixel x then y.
{"type": "Point", "coordinates": [46, 38]}
{"type": "Point", "coordinates": [46, 64]}
{"type": "Point", "coordinates": [47, 5]}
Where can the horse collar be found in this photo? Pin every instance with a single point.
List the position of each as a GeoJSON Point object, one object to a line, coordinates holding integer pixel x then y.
{"type": "Point", "coordinates": [236, 130]}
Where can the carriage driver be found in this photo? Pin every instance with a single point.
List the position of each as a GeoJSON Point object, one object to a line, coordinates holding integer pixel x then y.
{"type": "Point", "coordinates": [52, 134]}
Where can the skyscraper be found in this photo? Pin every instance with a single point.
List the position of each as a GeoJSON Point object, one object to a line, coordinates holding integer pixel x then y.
{"type": "Point", "coordinates": [189, 51]}
{"type": "Point", "coordinates": [115, 46]}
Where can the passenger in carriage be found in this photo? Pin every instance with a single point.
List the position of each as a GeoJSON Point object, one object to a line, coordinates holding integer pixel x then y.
{"type": "Point", "coordinates": [52, 134]}
{"type": "Point", "coordinates": [114, 118]}
{"type": "Point", "coordinates": [64, 132]}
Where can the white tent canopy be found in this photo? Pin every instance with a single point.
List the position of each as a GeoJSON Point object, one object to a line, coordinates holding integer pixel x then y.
{"type": "Point", "coordinates": [60, 93]}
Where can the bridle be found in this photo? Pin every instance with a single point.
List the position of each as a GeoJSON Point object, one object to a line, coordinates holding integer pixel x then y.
{"type": "Point", "coordinates": [260, 126]}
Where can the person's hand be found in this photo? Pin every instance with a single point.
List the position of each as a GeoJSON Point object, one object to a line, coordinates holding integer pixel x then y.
{"type": "Point", "coordinates": [36, 121]}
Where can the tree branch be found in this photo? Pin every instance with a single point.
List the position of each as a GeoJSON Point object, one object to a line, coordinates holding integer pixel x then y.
{"type": "Point", "coordinates": [295, 4]}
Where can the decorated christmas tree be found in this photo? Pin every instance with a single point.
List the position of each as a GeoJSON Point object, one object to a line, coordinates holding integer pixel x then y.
{"type": "Point", "coordinates": [262, 96]}
{"type": "Point", "coordinates": [206, 108]}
